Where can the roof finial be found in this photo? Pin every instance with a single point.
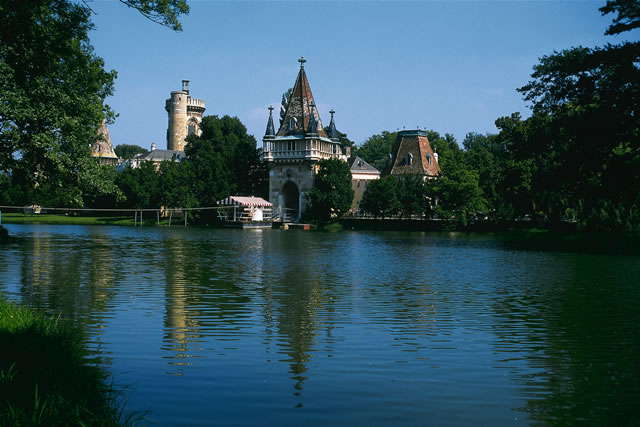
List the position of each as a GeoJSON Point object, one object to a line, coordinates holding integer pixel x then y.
{"type": "Point", "coordinates": [270, 108]}
{"type": "Point", "coordinates": [332, 112]}
{"type": "Point", "coordinates": [302, 61]}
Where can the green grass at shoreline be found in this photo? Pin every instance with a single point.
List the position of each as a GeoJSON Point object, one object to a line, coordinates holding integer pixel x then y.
{"type": "Point", "coordinates": [45, 377]}
{"type": "Point", "coordinates": [55, 219]}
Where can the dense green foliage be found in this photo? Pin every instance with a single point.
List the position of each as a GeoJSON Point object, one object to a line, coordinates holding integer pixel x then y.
{"type": "Point", "coordinates": [331, 194]}
{"type": "Point", "coordinates": [53, 89]}
{"type": "Point", "coordinates": [575, 160]}
{"type": "Point", "coordinates": [127, 151]}
{"type": "Point", "coordinates": [45, 377]}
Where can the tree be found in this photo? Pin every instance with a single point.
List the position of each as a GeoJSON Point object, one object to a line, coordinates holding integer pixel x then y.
{"type": "Point", "coordinates": [224, 161]}
{"type": "Point", "coordinates": [176, 185]}
{"type": "Point", "coordinates": [140, 186]}
{"type": "Point", "coordinates": [376, 150]}
{"type": "Point", "coordinates": [589, 98]}
{"type": "Point", "coordinates": [411, 195]}
{"type": "Point", "coordinates": [331, 194]}
{"type": "Point", "coordinates": [53, 89]}
{"type": "Point", "coordinates": [459, 195]}
{"type": "Point", "coordinates": [127, 151]}
{"type": "Point", "coordinates": [163, 12]}
{"type": "Point", "coordinates": [380, 199]}
{"type": "Point", "coordinates": [284, 104]}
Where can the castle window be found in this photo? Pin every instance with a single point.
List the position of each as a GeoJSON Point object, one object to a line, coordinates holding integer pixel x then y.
{"type": "Point", "coordinates": [409, 159]}
{"type": "Point", "coordinates": [292, 124]}
{"type": "Point", "coordinates": [191, 130]}
{"type": "Point", "coordinates": [429, 159]}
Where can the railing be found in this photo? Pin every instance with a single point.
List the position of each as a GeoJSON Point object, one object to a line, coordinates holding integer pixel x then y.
{"type": "Point", "coordinates": [245, 213]}
{"type": "Point", "coordinates": [286, 215]}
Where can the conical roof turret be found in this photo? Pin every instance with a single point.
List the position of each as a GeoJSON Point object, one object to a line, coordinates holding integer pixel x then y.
{"type": "Point", "coordinates": [300, 110]}
{"type": "Point", "coordinates": [271, 130]}
{"type": "Point", "coordinates": [333, 132]}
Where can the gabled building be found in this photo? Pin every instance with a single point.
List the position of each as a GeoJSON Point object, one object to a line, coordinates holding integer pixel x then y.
{"type": "Point", "coordinates": [156, 156]}
{"type": "Point", "coordinates": [412, 154]}
{"type": "Point", "coordinates": [361, 174]}
{"type": "Point", "coordinates": [293, 152]}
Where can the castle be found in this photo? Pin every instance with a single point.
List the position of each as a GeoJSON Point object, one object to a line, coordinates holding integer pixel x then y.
{"type": "Point", "coordinates": [293, 152]}
{"type": "Point", "coordinates": [185, 116]}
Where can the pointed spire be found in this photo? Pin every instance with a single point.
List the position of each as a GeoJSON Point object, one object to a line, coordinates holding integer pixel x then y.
{"type": "Point", "coordinates": [299, 112]}
{"type": "Point", "coordinates": [333, 132]}
{"type": "Point", "coordinates": [271, 130]}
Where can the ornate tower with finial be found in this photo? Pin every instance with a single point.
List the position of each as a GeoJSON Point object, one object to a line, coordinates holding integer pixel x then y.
{"type": "Point", "coordinates": [185, 115]}
{"type": "Point", "coordinates": [292, 153]}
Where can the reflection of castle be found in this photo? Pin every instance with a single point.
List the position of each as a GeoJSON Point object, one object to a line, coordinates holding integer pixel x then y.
{"type": "Point", "coordinates": [293, 152]}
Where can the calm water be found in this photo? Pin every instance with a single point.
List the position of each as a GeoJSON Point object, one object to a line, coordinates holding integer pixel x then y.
{"type": "Point", "coordinates": [268, 327]}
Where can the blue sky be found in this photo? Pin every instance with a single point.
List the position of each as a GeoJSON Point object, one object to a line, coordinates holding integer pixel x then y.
{"type": "Point", "coordinates": [450, 66]}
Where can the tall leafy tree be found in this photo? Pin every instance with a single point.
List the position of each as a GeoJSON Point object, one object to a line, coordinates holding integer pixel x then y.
{"type": "Point", "coordinates": [331, 194]}
{"type": "Point", "coordinates": [224, 161]}
{"type": "Point", "coordinates": [376, 150]}
{"type": "Point", "coordinates": [140, 186]}
{"type": "Point", "coordinates": [380, 199]}
{"type": "Point", "coordinates": [53, 89]}
{"type": "Point", "coordinates": [590, 98]}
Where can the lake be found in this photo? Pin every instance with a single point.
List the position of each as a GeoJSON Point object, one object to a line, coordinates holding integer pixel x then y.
{"type": "Point", "coordinates": [275, 327]}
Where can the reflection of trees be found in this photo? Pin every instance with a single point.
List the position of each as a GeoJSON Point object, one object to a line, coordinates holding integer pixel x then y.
{"type": "Point", "coordinates": [576, 321]}
{"type": "Point", "coordinates": [71, 276]}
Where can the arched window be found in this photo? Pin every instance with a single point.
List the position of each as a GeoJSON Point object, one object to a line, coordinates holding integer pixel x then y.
{"type": "Point", "coordinates": [429, 159]}
{"type": "Point", "coordinates": [192, 129]}
{"type": "Point", "coordinates": [409, 159]}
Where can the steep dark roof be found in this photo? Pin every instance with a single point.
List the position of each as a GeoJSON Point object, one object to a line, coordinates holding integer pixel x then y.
{"type": "Point", "coordinates": [299, 109]}
{"type": "Point", "coordinates": [271, 130]}
{"type": "Point", "coordinates": [357, 164]}
{"type": "Point", "coordinates": [412, 154]}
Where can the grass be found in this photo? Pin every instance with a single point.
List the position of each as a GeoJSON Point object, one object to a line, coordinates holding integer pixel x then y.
{"type": "Point", "coordinates": [45, 377]}
{"type": "Point", "coordinates": [19, 218]}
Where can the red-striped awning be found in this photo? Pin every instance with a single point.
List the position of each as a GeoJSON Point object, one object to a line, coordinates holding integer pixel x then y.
{"type": "Point", "coordinates": [244, 201]}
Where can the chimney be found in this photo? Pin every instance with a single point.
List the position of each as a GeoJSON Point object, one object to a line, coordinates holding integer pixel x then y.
{"type": "Point", "coordinates": [185, 86]}
{"type": "Point", "coordinates": [347, 151]}
{"type": "Point", "coordinates": [153, 146]}
{"type": "Point", "coordinates": [436, 156]}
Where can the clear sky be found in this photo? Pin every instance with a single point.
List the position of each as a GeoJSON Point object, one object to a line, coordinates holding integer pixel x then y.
{"type": "Point", "coordinates": [450, 66]}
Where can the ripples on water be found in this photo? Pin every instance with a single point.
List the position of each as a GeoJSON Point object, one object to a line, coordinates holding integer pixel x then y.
{"type": "Point", "coordinates": [272, 327]}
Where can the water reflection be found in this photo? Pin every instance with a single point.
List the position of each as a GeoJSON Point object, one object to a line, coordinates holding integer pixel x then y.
{"type": "Point", "coordinates": [257, 327]}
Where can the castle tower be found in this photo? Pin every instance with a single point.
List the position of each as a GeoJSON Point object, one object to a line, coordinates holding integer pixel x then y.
{"type": "Point", "coordinates": [412, 154]}
{"type": "Point", "coordinates": [185, 116]}
{"type": "Point", "coordinates": [292, 153]}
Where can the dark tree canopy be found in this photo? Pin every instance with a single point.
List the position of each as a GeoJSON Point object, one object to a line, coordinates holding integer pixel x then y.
{"type": "Point", "coordinates": [331, 194]}
{"type": "Point", "coordinates": [53, 89]}
{"type": "Point", "coordinates": [628, 15]}
{"type": "Point", "coordinates": [127, 151]}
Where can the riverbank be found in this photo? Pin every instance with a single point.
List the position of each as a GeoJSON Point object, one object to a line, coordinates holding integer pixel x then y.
{"type": "Point", "coordinates": [45, 377]}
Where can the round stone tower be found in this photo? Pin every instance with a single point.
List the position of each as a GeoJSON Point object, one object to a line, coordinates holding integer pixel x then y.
{"type": "Point", "coordinates": [185, 115]}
